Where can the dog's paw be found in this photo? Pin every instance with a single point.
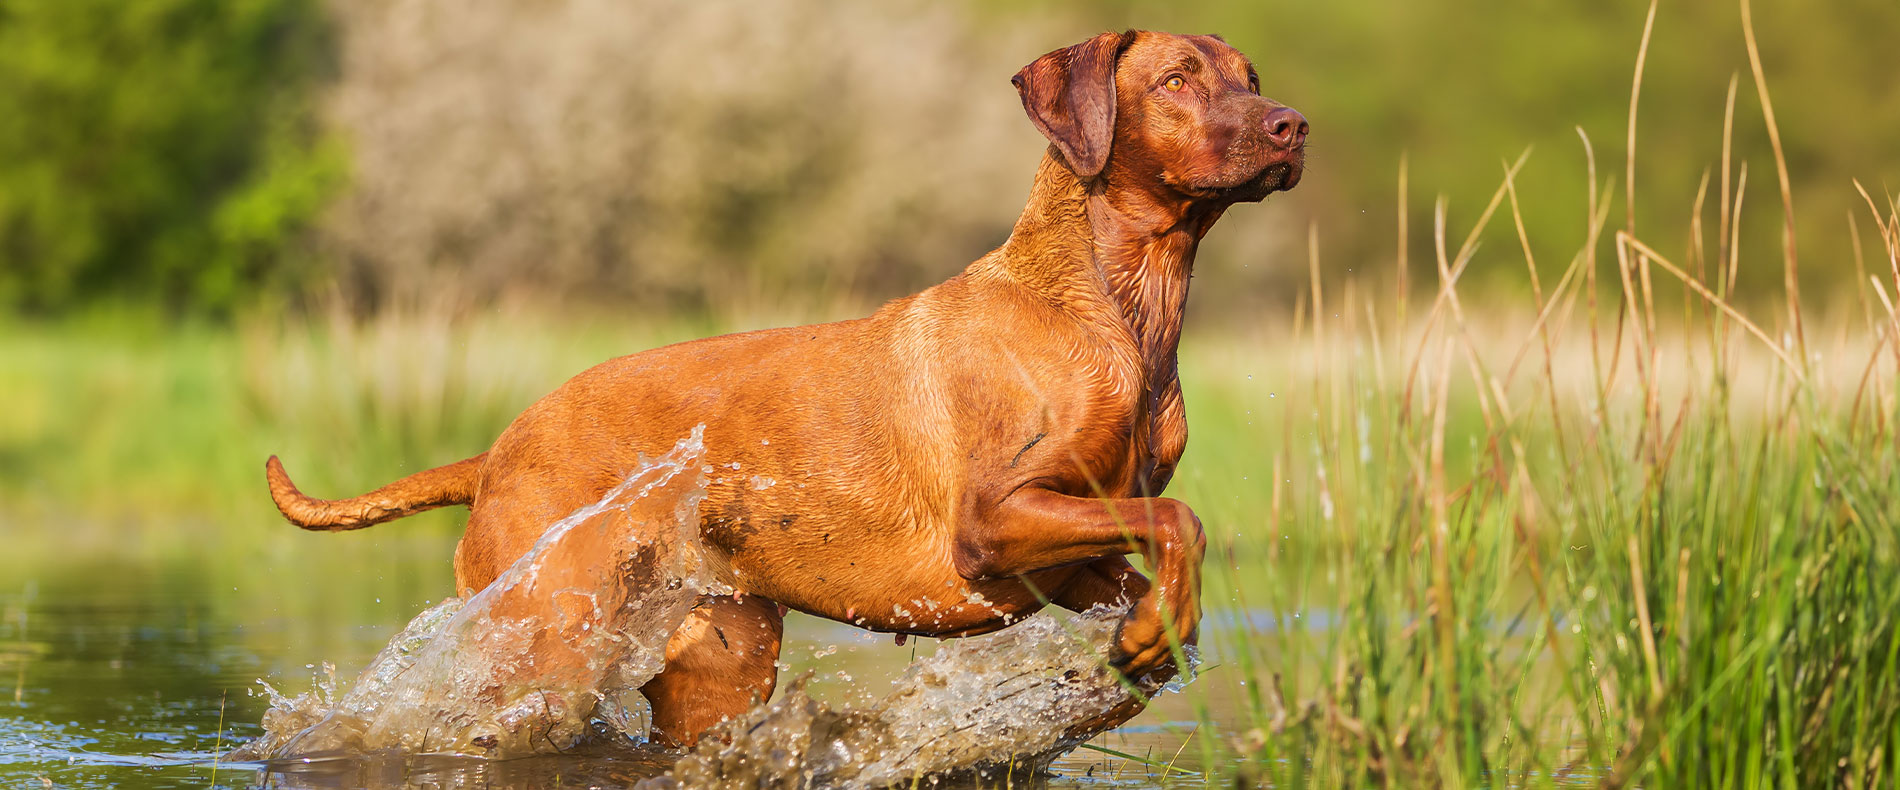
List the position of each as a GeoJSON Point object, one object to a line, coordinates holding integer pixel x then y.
{"type": "Point", "coordinates": [1143, 649]}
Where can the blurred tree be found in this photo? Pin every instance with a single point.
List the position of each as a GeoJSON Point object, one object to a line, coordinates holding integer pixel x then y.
{"type": "Point", "coordinates": [158, 150]}
{"type": "Point", "coordinates": [706, 153]}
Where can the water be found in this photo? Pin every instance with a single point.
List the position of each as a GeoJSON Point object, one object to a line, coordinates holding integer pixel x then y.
{"type": "Point", "coordinates": [138, 671]}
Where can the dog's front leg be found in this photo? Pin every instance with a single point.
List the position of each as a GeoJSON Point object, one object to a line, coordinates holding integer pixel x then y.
{"type": "Point", "coordinates": [1036, 529]}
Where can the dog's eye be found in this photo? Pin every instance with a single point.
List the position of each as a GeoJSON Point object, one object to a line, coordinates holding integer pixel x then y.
{"type": "Point", "coordinates": [1175, 82]}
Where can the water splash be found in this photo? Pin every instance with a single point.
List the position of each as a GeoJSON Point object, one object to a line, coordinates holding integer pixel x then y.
{"type": "Point", "coordinates": [549, 655]}
{"type": "Point", "coordinates": [1017, 698]}
{"type": "Point", "coordinates": [552, 655]}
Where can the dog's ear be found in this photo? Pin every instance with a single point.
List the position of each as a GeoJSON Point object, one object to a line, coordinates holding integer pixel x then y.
{"type": "Point", "coordinates": [1070, 95]}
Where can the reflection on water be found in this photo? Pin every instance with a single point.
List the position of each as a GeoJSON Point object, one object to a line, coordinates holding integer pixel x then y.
{"type": "Point", "coordinates": [114, 674]}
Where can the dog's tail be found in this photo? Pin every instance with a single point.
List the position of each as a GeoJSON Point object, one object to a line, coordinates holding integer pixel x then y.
{"type": "Point", "coordinates": [453, 484]}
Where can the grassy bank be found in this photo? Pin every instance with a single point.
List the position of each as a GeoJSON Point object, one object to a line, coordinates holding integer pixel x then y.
{"type": "Point", "coordinates": [1661, 553]}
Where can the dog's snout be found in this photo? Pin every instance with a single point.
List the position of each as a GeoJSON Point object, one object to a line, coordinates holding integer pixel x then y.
{"type": "Point", "coordinates": [1287, 127]}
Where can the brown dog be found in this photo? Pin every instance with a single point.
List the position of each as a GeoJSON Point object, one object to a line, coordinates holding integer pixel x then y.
{"type": "Point", "coordinates": [944, 465]}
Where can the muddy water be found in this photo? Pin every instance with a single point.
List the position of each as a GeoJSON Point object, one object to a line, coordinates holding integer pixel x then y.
{"type": "Point", "coordinates": [139, 671]}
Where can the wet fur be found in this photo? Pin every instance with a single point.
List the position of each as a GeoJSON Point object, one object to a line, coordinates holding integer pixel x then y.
{"type": "Point", "coordinates": [946, 464]}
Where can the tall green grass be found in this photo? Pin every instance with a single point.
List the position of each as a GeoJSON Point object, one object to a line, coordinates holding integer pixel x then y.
{"type": "Point", "coordinates": [1662, 552]}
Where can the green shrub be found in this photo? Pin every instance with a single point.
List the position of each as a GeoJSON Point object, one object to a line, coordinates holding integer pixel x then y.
{"type": "Point", "coordinates": [160, 149]}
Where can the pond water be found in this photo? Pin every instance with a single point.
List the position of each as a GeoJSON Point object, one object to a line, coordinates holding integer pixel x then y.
{"type": "Point", "coordinates": [133, 667]}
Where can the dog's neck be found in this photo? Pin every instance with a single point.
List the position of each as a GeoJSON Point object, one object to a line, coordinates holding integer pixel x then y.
{"type": "Point", "coordinates": [1076, 243]}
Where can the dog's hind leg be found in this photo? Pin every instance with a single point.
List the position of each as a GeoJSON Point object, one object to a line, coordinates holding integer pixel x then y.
{"type": "Point", "coordinates": [720, 662]}
{"type": "Point", "coordinates": [1109, 581]}
{"type": "Point", "coordinates": [512, 512]}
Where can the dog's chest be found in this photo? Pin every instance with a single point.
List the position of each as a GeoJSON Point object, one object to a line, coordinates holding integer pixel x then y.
{"type": "Point", "coordinates": [1158, 446]}
{"type": "Point", "coordinates": [1138, 438]}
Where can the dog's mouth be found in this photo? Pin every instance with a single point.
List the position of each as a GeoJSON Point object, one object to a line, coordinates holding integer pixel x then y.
{"type": "Point", "coordinates": [1246, 175]}
{"type": "Point", "coordinates": [1280, 173]}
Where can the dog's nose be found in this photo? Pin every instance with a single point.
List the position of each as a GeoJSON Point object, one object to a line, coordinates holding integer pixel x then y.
{"type": "Point", "coordinates": [1287, 127]}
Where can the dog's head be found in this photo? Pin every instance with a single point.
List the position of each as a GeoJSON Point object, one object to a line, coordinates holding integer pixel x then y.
{"type": "Point", "coordinates": [1183, 113]}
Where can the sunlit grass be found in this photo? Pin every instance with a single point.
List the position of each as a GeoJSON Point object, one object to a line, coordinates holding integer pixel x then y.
{"type": "Point", "coordinates": [1641, 550]}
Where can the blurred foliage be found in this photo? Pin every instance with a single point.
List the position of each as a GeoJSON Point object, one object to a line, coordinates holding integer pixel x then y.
{"type": "Point", "coordinates": [160, 150]}
{"type": "Point", "coordinates": [726, 157]}
{"type": "Point", "coordinates": [684, 156]}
